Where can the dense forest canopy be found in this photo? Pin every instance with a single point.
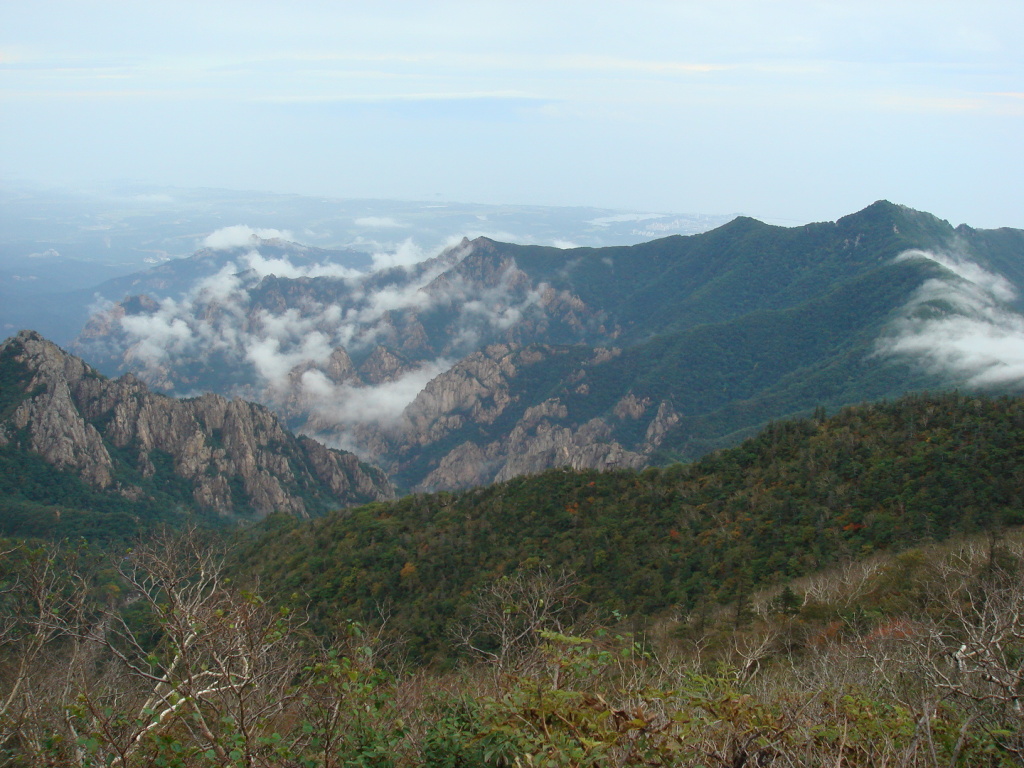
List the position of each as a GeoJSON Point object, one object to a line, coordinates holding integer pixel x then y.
{"type": "Point", "coordinates": [801, 496]}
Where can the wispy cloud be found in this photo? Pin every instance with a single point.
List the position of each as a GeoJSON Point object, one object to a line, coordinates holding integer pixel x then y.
{"type": "Point", "coordinates": [240, 235]}
{"type": "Point", "coordinates": [286, 354]}
{"type": "Point", "coordinates": [342, 408]}
{"type": "Point", "coordinates": [960, 325]}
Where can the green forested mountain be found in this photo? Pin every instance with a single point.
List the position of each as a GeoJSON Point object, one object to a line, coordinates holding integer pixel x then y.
{"type": "Point", "coordinates": [729, 329]}
{"type": "Point", "coordinates": [494, 359]}
{"type": "Point", "coordinates": [758, 607]}
{"type": "Point", "coordinates": [679, 282]}
{"type": "Point", "coordinates": [800, 496]}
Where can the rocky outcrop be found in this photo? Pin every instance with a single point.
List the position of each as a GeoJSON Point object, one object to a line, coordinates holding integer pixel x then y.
{"type": "Point", "coordinates": [381, 366]}
{"type": "Point", "coordinates": [475, 390]}
{"type": "Point", "coordinates": [474, 424]}
{"type": "Point", "coordinates": [117, 435]}
{"type": "Point", "coordinates": [536, 443]}
{"type": "Point", "coordinates": [480, 420]}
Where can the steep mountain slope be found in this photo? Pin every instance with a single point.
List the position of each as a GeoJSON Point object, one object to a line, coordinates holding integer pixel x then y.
{"type": "Point", "coordinates": [800, 496]}
{"type": "Point", "coordinates": [210, 454]}
{"type": "Point", "coordinates": [496, 359]}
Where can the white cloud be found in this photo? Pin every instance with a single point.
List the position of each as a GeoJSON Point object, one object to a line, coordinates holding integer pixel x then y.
{"type": "Point", "coordinates": [241, 235]}
{"type": "Point", "coordinates": [960, 325]}
{"type": "Point", "coordinates": [407, 254]}
{"type": "Point", "coordinates": [159, 335]}
{"type": "Point", "coordinates": [282, 267]}
{"type": "Point", "coordinates": [348, 407]}
{"type": "Point", "coordinates": [997, 285]}
{"type": "Point", "coordinates": [344, 409]}
{"type": "Point", "coordinates": [216, 316]}
{"type": "Point", "coordinates": [378, 222]}
{"type": "Point", "coordinates": [220, 286]}
{"type": "Point", "coordinates": [274, 358]}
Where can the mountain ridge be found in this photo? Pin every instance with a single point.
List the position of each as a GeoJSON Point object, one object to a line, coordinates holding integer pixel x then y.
{"type": "Point", "coordinates": [719, 331]}
{"type": "Point", "coordinates": [224, 457]}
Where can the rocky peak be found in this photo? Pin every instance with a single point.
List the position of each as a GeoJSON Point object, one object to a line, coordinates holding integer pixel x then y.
{"type": "Point", "coordinates": [381, 366]}
{"type": "Point", "coordinates": [235, 455]}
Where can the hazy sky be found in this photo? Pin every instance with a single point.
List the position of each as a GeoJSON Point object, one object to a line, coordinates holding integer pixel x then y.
{"type": "Point", "coordinates": [789, 111]}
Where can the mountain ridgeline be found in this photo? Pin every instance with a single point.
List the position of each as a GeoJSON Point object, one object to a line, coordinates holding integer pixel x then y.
{"type": "Point", "coordinates": [801, 496]}
{"type": "Point", "coordinates": [493, 360]}
{"type": "Point", "coordinates": [81, 453]}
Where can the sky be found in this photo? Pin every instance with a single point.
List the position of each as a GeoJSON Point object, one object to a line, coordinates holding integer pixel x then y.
{"type": "Point", "coordinates": [787, 111]}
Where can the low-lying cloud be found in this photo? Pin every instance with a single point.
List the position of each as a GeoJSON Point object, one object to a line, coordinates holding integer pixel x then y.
{"type": "Point", "coordinates": [243, 341]}
{"type": "Point", "coordinates": [346, 406]}
{"type": "Point", "coordinates": [960, 325]}
{"type": "Point", "coordinates": [406, 255]}
{"type": "Point", "coordinates": [240, 235]}
{"type": "Point", "coordinates": [281, 267]}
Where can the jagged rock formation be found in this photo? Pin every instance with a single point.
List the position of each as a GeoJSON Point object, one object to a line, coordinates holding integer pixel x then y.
{"type": "Point", "coordinates": [480, 428]}
{"type": "Point", "coordinates": [494, 359]}
{"type": "Point", "coordinates": [234, 456]}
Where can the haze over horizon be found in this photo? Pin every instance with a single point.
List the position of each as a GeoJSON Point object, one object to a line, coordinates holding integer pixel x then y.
{"type": "Point", "coordinates": [788, 111]}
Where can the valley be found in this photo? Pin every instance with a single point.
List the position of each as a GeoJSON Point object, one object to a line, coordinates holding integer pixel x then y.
{"type": "Point", "coordinates": [491, 359]}
{"type": "Point", "coordinates": [745, 497]}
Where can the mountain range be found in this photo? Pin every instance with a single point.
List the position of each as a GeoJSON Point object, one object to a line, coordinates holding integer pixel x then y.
{"type": "Point", "coordinates": [59, 246]}
{"type": "Point", "coordinates": [754, 605]}
{"type": "Point", "coordinates": [492, 359]}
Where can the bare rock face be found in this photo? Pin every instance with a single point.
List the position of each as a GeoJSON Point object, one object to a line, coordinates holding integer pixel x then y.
{"type": "Point", "coordinates": [235, 455]}
{"type": "Point", "coordinates": [663, 421]}
{"type": "Point", "coordinates": [471, 421]}
{"type": "Point", "coordinates": [631, 407]}
{"type": "Point", "coordinates": [381, 366]}
{"type": "Point", "coordinates": [55, 428]}
{"type": "Point", "coordinates": [339, 367]}
{"type": "Point", "coordinates": [476, 389]}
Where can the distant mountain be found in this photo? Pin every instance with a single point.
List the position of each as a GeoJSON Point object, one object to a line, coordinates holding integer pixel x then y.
{"type": "Point", "coordinates": [493, 360]}
{"type": "Point", "coordinates": [58, 245]}
{"type": "Point", "coordinates": [68, 436]}
{"type": "Point", "coordinates": [176, 277]}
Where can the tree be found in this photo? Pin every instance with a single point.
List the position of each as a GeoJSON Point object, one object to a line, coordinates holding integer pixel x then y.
{"type": "Point", "coordinates": [982, 628]}
{"type": "Point", "coordinates": [507, 618]}
{"type": "Point", "coordinates": [43, 605]}
{"type": "Point", "coordinates": [189, 658]}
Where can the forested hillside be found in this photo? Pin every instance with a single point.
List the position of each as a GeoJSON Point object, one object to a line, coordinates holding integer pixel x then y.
{"type": "Point", "coordinates": [496, 359]}
{"type": "Point", "coordinates": [839, 590]}
{"type": "Point", "coordinates": [801, 496]}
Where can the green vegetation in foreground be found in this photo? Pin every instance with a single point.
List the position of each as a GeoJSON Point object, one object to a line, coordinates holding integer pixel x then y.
{"type": "Point", "coordinates": [800, 496]}
{"type": "Point", "coordinates": [159, 660]}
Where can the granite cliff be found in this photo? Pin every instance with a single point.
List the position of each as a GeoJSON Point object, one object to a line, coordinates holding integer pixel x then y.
{"type": "Point", "coordinates": [230, 456]}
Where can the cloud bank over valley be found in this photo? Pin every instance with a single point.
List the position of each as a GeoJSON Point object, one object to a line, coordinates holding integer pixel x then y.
{"type": "Point", "coordinates": [321, 342]}
{"type": "Point", "coordinates": [960, 325]}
